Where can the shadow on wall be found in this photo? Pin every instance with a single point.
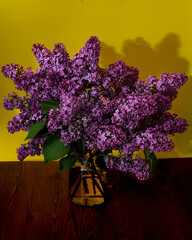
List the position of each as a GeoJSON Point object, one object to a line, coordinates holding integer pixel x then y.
{"type": "Point", "coordinates": [163, 57]}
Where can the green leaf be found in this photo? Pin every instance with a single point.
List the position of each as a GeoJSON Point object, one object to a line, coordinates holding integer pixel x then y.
{"type": "Point", "coordinates": [35, 129]}
{"type": "Point", "coordinates": [151, 159]}
{"type": "Point", "coordinates": [153, 163]}
{"type": "Point", "coordinates": [67, 162]}
{"type": "Point", "coordinates": [54, 149]}
{"type": "Point", "coordinates": [147, 155]}
{"type": "Point", "coordinates": [47, 105]}
{"type": "Point", "coordinates": [44, 132]}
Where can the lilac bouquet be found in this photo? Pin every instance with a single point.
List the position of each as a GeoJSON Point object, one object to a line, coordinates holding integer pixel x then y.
{"type": "Point", "coordinates": [75, 107]}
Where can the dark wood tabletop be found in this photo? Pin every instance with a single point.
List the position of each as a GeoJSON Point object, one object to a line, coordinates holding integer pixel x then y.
{"type": "Point", "coordinates": [35, 204]}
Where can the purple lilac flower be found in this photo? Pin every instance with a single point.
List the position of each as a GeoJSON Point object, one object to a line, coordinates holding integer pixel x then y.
{"type": "Point", "coordinates": [122, 75]}
{"type": "Point", "coordinates": [29, 149]}
{"type": "Point", "coordinates": [136, 107]}
{"type": "Point", "coordinates": [168, 83]}
{"type": "Point", "coordinates": [41, 53]}
{"type": "Point", "coordinates": [107, 108]}
{"type": "Point", "coordinates": [55, 120]}
{"type": "Point", "coordinates": [13, 101]}
{"type": "Point", "coordinates": [154, 141]}
{"type": "Point", "coordinates": [109, 137]}
{"type": "Point", "coordinates": [138, 166]}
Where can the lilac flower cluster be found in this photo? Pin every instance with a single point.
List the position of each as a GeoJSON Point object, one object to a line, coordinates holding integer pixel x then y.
{"type": "Point", "coordinates": [137, 167]}
{"type": "Point", "coordinates": [32, 148]}
{"type": "Point", "coordinates": [106, 108]}
{"type": "Point", "coordinates": [168, 83]}
{"type": "Point", "coordinates": [106, 137]}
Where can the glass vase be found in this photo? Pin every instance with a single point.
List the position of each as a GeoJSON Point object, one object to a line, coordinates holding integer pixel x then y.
{"type": "Point", "coordinates": [87, 184]}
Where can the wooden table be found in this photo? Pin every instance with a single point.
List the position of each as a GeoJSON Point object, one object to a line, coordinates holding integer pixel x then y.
{"type": "Point", "coordinates": [34, 205]}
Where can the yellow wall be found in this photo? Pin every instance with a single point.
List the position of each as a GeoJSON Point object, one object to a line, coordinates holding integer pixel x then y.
{"type": "Point", "coordinates": [154, 36]}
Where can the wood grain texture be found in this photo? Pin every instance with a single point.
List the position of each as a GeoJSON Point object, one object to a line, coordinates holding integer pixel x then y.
{"type": "Point", "coordinates": [34, 205]}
